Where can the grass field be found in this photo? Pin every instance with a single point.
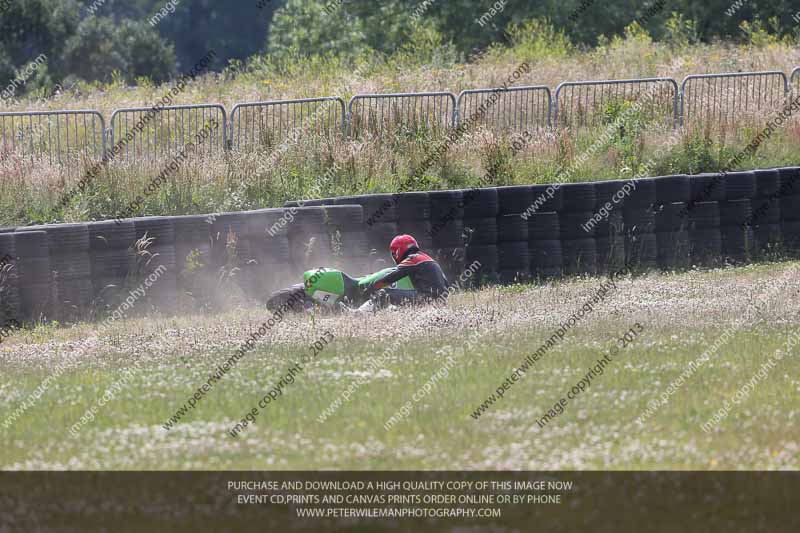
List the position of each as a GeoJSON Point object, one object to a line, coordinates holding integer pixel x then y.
{"type": "Point", "coordinates": [748, 312]}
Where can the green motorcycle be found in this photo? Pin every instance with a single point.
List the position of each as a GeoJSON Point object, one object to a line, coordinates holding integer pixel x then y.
{"type": "Point", "coordinates": [331, 289]}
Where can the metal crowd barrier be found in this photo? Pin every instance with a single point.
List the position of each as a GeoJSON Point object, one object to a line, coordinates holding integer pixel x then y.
{"type": "Point", "coordinates": [266, 124]}
{"type": "Point", "coordinates": [59, 135]}
{"type": "Point", "coordinates": [580, 104]}
{"type": "Point", "coordinates": [165, 131]}
{"type": "Point", "coordinates": [721, 98]}
{"type": "Point", "coordinates": [517, 108]}
{"type": "Point", "coordinates": [410, 113]}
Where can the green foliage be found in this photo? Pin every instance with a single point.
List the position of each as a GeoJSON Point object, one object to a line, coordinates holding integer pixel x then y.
{"type": "Point", "coordinates": [680, 32]}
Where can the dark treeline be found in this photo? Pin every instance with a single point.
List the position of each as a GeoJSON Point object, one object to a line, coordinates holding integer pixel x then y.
{"type": "Point", "coordinates": [126, 40]}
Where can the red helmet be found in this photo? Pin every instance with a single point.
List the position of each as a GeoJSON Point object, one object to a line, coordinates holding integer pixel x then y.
{"type": "Point", "coordinates": [401, 245]}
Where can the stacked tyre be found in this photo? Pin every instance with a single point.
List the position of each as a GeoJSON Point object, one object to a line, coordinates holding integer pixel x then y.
{"type": "Point", "coordinates": [609, 223]}
{"type": "Point", "coordinates": [9, 286]}
{"type": "Point", "coordinates": [481, 207]}
{"type": "Point", "coordinates": [765, 220]}
{"type": "Point", "coordinates": [447, 231]}
{"type": "Point", "coordinates": [641, 246]}
{"type": "Point", "coordinates": [790, 209]}
{"type": "Point", "coordinates": [544, 246]}
{"type": "Point", "coordinates": [705, 240]}
{"type": "Point", "coordinates": [735, 214]}
{"type": "Point", "coordinates": [156, 265]}
{"type": "Point", "coordinates": [351, 246]}
{"type": "Point", "coordinates": [68, 246]}
{"type": "Point", "coordinates": [112, 258]}
{"type": "Point", "coordinates": [309, 240]}
{"type": "Point", "coordinates": [578, 244]}
{"type": "Point", "coordinates": [229, 246]}
{"type": "Point", "coordinates": [380, 220]}
{"type": "Point", "coordinates": [34, 275]}
{"type": "Point", "coordinates": [193, 253]}
{"type": "Point", "coordinates": [673, 194]}
{"type": "Point", "coordinates": [512, 233]}
{"type": "Point", "coordinates": [270, 267]}
{"type": "Point", "coordinates": [414, 217]}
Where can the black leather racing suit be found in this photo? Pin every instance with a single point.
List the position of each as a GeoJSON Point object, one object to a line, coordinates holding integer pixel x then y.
{"type": "Point", "coordinates": [426, 275]}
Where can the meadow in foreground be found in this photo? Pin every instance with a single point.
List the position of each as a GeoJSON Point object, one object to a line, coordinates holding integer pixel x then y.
{"type": "Point", "coordinates": [682, 315]}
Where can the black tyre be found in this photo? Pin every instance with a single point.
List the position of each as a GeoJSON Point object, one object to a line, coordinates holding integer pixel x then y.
{"type": "Point", "coordinates": [481, 231]}
{"type": "Point", "coordinates": [344, 217]}
{"type": "Point", "coordinates": [672, 189]}
{"type": "Point", "coordinates": [704, 215]}
{"type": "Point", "coordinates": [580, 256]}
{"type": "Point", "coordinates": [311, 250]}
{"type": "Point", "coordinates": [643, 196]}
{"type": "Point", "coordinates": [112, 235]}
{"type": "Point", "coordinates": [578, 197]}
{"type": "Point", "coordinates": [546, 199]}
{"type": "Point", "coordinates": [613, 192]}
{"type": "Point", "coordinates": [577, 224]}
{"type": "Point", "coordinates": [511, 228]}
{"type": "Point", "coordinates": [292, 299]}
{"type": "Point", "coordinates": [160, 229]}
{"type": "Point", "coordinates": [738, 243]}
{"type": "Point", "coordinates": [768, 182]}
{"type": "Point", "coordinates": [790, 181]}
{"type": "Point", "coordinates": [673, 250]}
{"type": "Point", "coordinates": [259, 224]}
{"type": "Point", "coordinates": [34, 275]}
{"type": "Point", "coordinates": [544, 227]}
{"type": "Point", "coordinates": [768, 237]}
{"type": "Point", "coordinates": [419, 229]}
{"type": "Point", "coordinates": [790, 231]}
{"type": "Point", "coordinates": [740, 185]}
{"type": "Point", "coordinates": [705, 246]}
{"type": "Point", "coordinates": [707, 187]}
{"type": "Point", "coordinates": [639, 220]}
{"type": "Point", "coordinates": [641, 251]}
{"type": "Point", "coordinates": [671, 217]}
{"type": "Point", "coordinates": [452, 261]}
{"type": "Point", "coordinates": [610, 254]}
{"type": "Point", "coordinates": [545, 254]}
{"type": "Point", "coordinates": [446, 206]}
{"type": "Point", "coordinates": [378, 208]}
{"type": "Point", "coordinates": [480, 203]}
{"type": "Point", "coordinates": [514, 200]}
{"type": "Point", "coordinates": [546, 273]}
{"type": "Point", "coordinates": [514, 255]}
{"type": "Point", "coordinates": [790, 208]}
{"type": "Point", "coordinates": [486, 255]}
{"type": "Point", "coordinates": [380, 235]}
{"type": "Point", "coordinates": [448, 235]}
{"type": "Point", "coordinates": [414, 206]}
{"type": "Point", "coordinates": [735, 213]}
{"type": "Point", "coordinates": [765, 211]}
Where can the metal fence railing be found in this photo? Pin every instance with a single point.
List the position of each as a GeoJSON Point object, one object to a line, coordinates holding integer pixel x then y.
{"type": "Point", "coordinates": [588, 103]}
{"type": "Point", "coordinates": [165, 131]}
{"type": "Point", "coordinates": [56, 136]}
{"type": "Point", "coordinates": [720, 99]}
{"type": "Point", "coordinates": [516, 109]}
{"type": "Point", "coordinates": [147, 133]}
{"type": "Point", "coordinates": [429, 113]}
{"type": "Point", "coordinates": [266, 124]}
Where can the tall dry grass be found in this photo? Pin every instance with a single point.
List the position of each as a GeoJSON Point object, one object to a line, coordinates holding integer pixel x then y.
{"type": "Point", "coordinates": [30, 190]}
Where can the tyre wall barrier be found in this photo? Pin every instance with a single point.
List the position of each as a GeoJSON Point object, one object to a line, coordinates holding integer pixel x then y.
{"type": "Point", "coordinates": [668, 223]}
{"type": "Point", "coordinates": [70, 271]}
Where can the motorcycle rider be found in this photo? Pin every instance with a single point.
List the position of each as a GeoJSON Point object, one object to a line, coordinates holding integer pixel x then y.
{"type": "Point", "coordinates": [426, 275]}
